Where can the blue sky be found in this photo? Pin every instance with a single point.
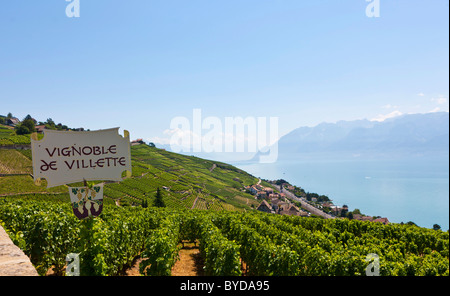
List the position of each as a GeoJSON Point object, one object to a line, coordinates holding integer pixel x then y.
{"type": "Point", "coordinates": [138, 64]}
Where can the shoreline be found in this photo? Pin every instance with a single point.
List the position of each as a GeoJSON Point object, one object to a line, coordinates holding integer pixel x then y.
{"type": "Point", "coordinates": [415, 192]}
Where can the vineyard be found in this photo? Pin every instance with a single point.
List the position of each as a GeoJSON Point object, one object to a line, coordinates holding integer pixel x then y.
{"type": "Point", "coordinates": [14, 162]}
{"type": "Point", "coordinates": [231, 243]}
{"type": "Point", "coordinates": [8, 137]}
{"type": "Point", "coordinates": [188, 182]}
{"type": "Point", "coordinates": [205, 205]}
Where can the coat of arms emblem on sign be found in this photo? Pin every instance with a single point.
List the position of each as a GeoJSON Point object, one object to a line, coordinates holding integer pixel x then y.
{"type": "Point", "coordinates": [86, 202]}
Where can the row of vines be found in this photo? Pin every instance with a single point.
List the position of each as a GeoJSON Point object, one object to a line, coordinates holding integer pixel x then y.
{"type": "Point", "coordinates": [231, 243]}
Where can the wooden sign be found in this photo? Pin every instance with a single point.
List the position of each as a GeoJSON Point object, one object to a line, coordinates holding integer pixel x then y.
{"type": "Point", "coordinates": [64, 157]}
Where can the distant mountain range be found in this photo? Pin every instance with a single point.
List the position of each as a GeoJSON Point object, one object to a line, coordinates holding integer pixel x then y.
{"type": "Point", "coordinates": [412, 135]}
{"type": "Point", "coordinates": [407, 136]}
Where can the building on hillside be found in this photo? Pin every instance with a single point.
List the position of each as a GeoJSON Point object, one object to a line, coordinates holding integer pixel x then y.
{"type": "Point", "coordinates": [40, 128]}
{"type": "Point", "coordinates": [304, 214]}
{"type": "Point", "coordinates": [253, 190]}
{"type": "Point", "coordinates": [385, 221]}
{"type": "Point", "coordinates": [13, 121]}
{"type": "Point", "coordinates": [265, 207]}
{"type": "Point", "coordinates": [261, 195]}
{"type": "Point", "coordinates": [137, 142]}
{"type": "Point", "coordinates": [359, 217]}
{"type": "Point", "coordinates": [274, 195]}
{"type": "Point", "coordinates": [327, 204]}
{"type": "Point", "coordinates": [337, 211]}
{"type": "Point", "coordinates": [282, 206]}
{"type": "Point", "coordinates": [268, 190]}
{"type": "Point", "coordinates": [293, 210]}
{"type": "Point", "coordinates": [362, 218]}
{"type": "Point", "coordinates": [274, 202]}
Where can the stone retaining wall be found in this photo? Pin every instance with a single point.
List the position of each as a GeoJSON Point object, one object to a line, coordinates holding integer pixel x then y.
{"type": "Point", "coordinates": [17, 146]}
{"type": "Point", "coordinates": [13, 262]}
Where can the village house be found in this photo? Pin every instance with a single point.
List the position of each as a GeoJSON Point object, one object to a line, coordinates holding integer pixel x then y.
{"type": "Point", "coordinates": [283, 206]}
{"type": "Point", "coordinates": [336, 210]}
{"type": "Point", "coordinates": [265, 207]}
{"type": "Point", "coordinates": [384, 221]}
{"type": "Point", "coordinates": [275, 202]}
{"type": "Point", "coordinates": [359, 217]}
{"type": "Point", "coordinates": [268, 190]}
{"type": "Point", "coordinates": [274, 195]}
{"type": "Point", "coordinates": [327, 204]}
{"type": "Point", "coordinates": [137, 142]}
{"type": "Point", "coordinates": [362, 218]}
{"type": "Point", "coordinates": [40, 128]}
{"type": "Point", "coordinates": [261, 195]}
{"type": "Point", "coordinates": [13, 121]}
{"type": "Point", "coordinates": [293, 210]}
{"type": "Point", "coordinates": [253, 190]}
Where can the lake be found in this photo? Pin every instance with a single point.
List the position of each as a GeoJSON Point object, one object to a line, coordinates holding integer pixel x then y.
{"type": "Point", "coordinates": [401, 190]}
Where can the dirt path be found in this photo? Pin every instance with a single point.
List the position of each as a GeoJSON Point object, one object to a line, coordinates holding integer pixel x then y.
{"type": "Point", "coordinates": [190, 262]}
{"type": "Point", "coordinates": [195, 202]}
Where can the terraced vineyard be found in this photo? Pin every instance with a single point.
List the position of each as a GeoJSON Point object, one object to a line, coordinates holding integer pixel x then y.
{"type": "Point", "coordinates": [188, 182]}
{"type": "Point", "coordinates": [231, 243]}
{"type": "Point", "coordinates": [14, 162]}
{"type": "Point", "coordinates": [206, 204]}
{"type": "Point", "coordinates": [8, 137]}
{"type": "Point", "coordinates": [185, 179]}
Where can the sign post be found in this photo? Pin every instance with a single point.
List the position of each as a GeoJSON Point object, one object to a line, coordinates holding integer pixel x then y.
{"type": "Point", "coordinates": [64, 157]}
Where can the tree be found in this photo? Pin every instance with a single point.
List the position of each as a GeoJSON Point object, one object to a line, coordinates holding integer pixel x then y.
{"type": "Point", "coordinates": [411, 223]}
{"type": "Point", "coordinates": [29, 124]}
{"type": "Point", "coordinates": [29, 117]}
{"type": "Point", "coordinates": [281, 181]}
{"type": "Point", "coordinates": [158, 202]}
{"type": "Point", "coordinates": [436, 227]}
{"type": "Point", "coordinates": [22, 130]}
{"type": "Point", "coordinates": [323, 198]}
{"type": "Point", "coordinates": [9, 116]}
{"type": "Point", "coordinates": [50, 123]}
{"type": "Point", "coordinates": [356, 212]}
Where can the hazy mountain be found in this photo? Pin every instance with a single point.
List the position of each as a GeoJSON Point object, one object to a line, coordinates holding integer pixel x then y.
{"type": "Point", "coordinates": [403, 136]}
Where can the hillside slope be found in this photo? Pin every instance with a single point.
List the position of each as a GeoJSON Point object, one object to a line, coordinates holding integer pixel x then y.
{"type": "Point", "coordinates": [188, 182]}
